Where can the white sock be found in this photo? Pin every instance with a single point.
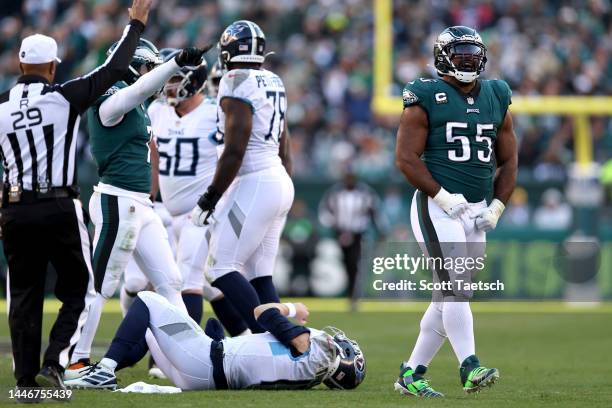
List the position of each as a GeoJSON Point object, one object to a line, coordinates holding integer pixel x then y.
{"type": "Point", "coordinates": [109, 363]}
{"type": "Point", "coordinates": [125, 300]}
{"type": "Point", "coordinates": [83, 347]}
{"type": "Point", "coordinates": [431, 337]}
{"type": "Point", "coordinates": [459, 327]}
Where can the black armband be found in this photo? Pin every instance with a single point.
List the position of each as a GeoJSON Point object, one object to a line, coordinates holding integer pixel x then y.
{"type": "Point", "coordinates": [273, 321]}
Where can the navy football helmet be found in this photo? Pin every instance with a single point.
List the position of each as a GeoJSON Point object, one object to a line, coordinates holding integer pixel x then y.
{"type": "Point", "coordinates": [146, 57]}
{"type": "Point", "coordinates": [186, 82]}
{"type": "Point", "coordinates": [242, 41]}
{"type": "Point", "coordinates": [349, 368]}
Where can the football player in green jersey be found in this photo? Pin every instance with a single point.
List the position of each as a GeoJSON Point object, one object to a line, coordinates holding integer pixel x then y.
{"type": "Point", "coordinates": [456, 145]}
{"type": "Point", "coordinates": [120, 208]}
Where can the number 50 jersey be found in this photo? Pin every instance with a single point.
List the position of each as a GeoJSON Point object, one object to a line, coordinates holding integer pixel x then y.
{"type": "Point", "coordinates": [187, 153]}
{"type": "Point", "coordinates": [460, 148]}
{"type": "Point", "coordinates": [264, 92]}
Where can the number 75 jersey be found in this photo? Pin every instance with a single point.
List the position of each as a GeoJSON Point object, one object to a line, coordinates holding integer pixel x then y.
{"type": "Point", "coordinates": [459, 152]}
{"type": "Point", "coordinates": [264, 92]}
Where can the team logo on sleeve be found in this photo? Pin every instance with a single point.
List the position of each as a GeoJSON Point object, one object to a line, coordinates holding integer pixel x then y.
{"type": "Point", "coordinates": [409, 97]}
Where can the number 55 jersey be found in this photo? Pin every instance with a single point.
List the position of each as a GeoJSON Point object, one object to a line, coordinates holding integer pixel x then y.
{"type": "Point", "coordinates": [460, 148]}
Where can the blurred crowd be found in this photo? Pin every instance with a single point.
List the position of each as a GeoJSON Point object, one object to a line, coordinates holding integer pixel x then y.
{"type": "Point", "coordinates": [323, 51]}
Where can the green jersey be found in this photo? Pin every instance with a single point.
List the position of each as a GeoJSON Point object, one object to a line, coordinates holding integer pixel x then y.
{"type": "Point", "coordinates": [459, 152]}
{"type": "Point", "coordinates": [122, 151]}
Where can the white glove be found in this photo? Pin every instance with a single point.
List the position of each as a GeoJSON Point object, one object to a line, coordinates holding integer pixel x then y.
{"type": "Point", "coordinates": [452, 204]}
{"type": "Point", "coordinates": [198, 216]}
{"type": "Point", "coordinates": [486, 219]}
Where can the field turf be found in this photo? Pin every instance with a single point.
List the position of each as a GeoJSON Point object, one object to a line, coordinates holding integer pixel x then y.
{"type": "Point", "coordinates": [549, 355]}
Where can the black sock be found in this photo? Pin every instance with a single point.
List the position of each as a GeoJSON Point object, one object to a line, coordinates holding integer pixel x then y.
{"type": "Point", "coordinates": [129, 345]}
{"type": "Point", "coordinates": [193, 303]}
{"type": "Point", "coordinates": [242, 296]}
{"type": "Point", "coordinates": [229, 316]}
{"type": "Point", "coordinates": [265, 290]}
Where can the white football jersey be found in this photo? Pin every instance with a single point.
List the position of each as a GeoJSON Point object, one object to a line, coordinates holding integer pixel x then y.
{"type": "Point", "coordinates": [261, 361]}
{"type": "Point", "coordinates": [265, 93]}
{"type": "Point", "coordinates": [187, 153]}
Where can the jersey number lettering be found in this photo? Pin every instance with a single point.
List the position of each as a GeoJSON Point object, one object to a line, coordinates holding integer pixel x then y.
{"type": "Point", "coordinates": [33, 115]}
{"type": "Point", "coordinates": [279, 103]}
{"type": "Point", "coordinates": [463, 152]}
{"type": "Point", "coordinates": [177, 169]}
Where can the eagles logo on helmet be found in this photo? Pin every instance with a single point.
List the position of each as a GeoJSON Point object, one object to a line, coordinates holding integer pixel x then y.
{"type": "Point", "coordinates": [459, 52]}
{"type": "Point", "coordinates": [146, 57]}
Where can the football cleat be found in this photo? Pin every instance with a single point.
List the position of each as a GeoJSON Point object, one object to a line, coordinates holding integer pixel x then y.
{"type": "Point", "coordinates": [98, 377]}
{"type": "Point", "coordinates": [474, 377]}
{"type": "Point", "coordinates": [413, 384]}
{"type": "Point", "coordinates": [479, 378]}
{"type": "Point", "coordinates": [78, 369]}
{"type": "Point", "coordinates": [50, 377]}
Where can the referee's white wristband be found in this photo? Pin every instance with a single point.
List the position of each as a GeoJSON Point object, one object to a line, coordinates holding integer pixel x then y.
{"type": "Point", "coordinates": [292, 309]}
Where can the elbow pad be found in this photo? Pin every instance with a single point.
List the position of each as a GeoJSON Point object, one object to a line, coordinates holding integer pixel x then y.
{"type": "Point", "coordinates": [284, 330]}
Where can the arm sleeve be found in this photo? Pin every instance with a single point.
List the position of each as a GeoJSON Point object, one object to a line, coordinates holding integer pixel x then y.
{"type": "Point", "coordinates": [82, 92]}
{"type": "Point", "coordinates": [126, 99]}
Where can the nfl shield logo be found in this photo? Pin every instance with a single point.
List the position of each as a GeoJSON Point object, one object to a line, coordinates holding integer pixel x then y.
{"type": "Point", "coordinates": [470, 100]}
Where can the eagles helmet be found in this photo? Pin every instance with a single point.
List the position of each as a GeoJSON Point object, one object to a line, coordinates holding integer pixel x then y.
{"type": "Point", "coordinates": [242, 41]}
{"type": "Point", "coordinates": [186, 82]}
{"type": "Point", "coordinates": [145, 56]}
{"type": "Point", "coordinates": [216, 73]}
{"type": "Point", "coordinates": [349, 368]}
{"type": "Point", "coordinates": [459, 52]}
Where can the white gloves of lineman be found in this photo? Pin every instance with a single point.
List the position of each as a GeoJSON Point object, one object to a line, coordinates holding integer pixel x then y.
{"type": "Point", "coordinates": [486, 219]}
{"type": "Point", "coordinates": [452, 204]}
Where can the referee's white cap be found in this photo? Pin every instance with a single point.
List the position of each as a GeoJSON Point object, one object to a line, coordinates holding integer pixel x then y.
{"type": "Point", "coordinates": [38, 49]}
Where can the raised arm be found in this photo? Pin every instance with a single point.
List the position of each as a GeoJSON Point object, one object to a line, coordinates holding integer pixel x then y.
{"type": "Point", "coordinates": [273, 318]}
{"type": "Point", "coordinates": [82, 92]}
{"type": "Point", "coordinates": [126, 99]}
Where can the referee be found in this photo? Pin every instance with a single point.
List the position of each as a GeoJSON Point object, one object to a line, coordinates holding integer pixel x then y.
{"type": "Point", "coordinates": [348, 208]}
{"type": "Point", "coordinates": [42, 219]}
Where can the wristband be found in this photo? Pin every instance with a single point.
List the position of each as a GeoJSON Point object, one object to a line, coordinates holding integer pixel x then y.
{"type": "Point", "coordinates": [292, 309]}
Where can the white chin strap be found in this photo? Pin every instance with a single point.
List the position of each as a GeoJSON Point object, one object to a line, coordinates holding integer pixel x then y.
{"type": "Point", "coordinates": [463, 76]}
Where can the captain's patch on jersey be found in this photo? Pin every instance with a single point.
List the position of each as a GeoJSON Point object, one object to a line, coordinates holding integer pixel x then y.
{"type": "Point", "coordinates": [441, 98]}
{"type": "Point", "coordinates": [409, 97]}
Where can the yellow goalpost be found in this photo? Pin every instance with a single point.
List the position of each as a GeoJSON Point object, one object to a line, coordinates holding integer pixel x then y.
{"type": "Point", "coordinates": [580, 107]}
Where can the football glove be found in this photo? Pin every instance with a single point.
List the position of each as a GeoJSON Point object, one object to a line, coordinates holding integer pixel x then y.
{"type": "Point", "coordinates": [206, 206]}
{"type": "Point", "coordinates": [191, 56]}
{"type": "Point", "coordinates": [453, 204]}
{"type": "Point", "coordinates": [486, 219]}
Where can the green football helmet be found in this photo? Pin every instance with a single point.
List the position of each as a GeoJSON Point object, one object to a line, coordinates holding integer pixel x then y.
{"type": "Point", "coordinates": [146, 57]}
{"type": "Point", "coordinates": [459, 52]}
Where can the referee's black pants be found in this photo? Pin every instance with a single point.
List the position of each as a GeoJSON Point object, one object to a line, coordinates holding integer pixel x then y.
{"type": "Point", "coordinates": [35, 234]}
{"type": "Point", "coordinates": [350, 243]}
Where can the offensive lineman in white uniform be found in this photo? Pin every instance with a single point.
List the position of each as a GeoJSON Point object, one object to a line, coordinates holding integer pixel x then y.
{"type": "Point", "coordinates": [288, 356]}
{"type": "Point", "coordinates": [184, 124]}
{"type": "Point", "coordinates": [256, 163]}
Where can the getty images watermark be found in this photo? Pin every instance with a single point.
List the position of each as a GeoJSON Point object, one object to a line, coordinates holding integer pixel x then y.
{"type": "Point", "coordinates": [451, 275]}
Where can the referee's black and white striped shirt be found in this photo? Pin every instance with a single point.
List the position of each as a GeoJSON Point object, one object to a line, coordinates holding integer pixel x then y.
{"type": "Point", "coordinates": [351, 209]}
{"type": "Point", "coordinates": [39, 121]}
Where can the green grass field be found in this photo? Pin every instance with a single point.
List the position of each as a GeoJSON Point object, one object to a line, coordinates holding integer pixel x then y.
{"type": "Point", "coordinates": [549, 355]}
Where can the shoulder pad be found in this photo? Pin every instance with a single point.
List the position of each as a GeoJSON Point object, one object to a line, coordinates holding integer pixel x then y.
{"type": "Point", "coordinates": [235, 78]}
{"type": "Point", "coordinates": [502, 89]}
{"type": "Point", "coordinates": [415, 91]}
